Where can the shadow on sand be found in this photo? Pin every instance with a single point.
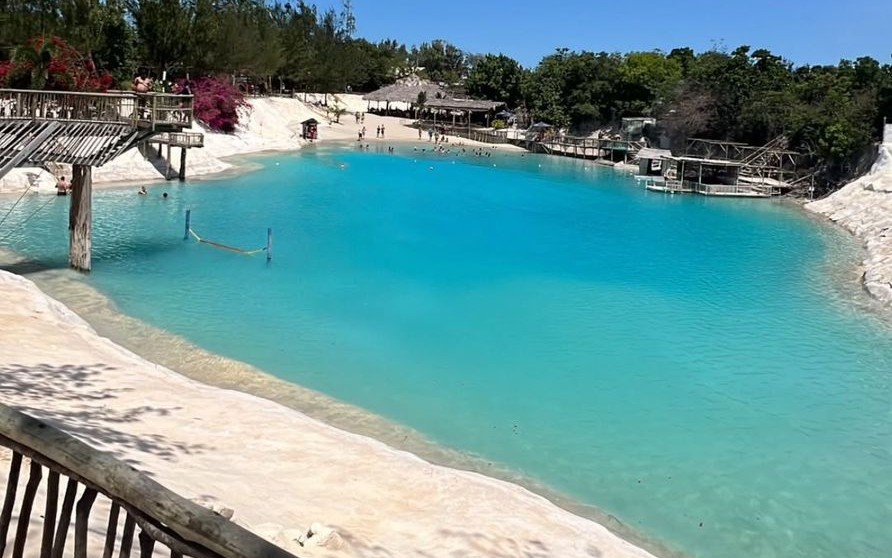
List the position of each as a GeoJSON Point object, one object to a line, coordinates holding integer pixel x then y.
{"type": "Point", "coordinates": [87, 414]}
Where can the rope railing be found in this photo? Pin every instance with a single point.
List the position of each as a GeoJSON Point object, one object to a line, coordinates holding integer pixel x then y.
{"type": "Point", "coordinates": [219, 245]}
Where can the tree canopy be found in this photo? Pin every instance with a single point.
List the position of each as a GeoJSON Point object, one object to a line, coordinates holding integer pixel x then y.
{"type": "Point", "coordinates": [749, 95]}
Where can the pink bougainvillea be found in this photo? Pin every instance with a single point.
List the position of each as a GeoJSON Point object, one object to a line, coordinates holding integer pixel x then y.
{"type": "Point", "coordinates": [216, 102]}
{"type": "Point", "coordinates": [52, 64]}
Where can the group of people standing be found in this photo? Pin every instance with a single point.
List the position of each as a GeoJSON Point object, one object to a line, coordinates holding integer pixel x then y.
{"type": "Point", "coordinates": [379, 132]}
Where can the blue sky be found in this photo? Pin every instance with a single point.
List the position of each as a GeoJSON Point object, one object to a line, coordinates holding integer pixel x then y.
{"type": "Point", "coordinates": [804, 31]}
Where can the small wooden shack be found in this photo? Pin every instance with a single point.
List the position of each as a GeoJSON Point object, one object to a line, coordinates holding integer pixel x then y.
{"type": "Point", "coordinates": [309, 129]}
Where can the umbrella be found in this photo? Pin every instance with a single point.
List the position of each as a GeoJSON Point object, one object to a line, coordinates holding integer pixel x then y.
{"type": "Point", "coordinates": [540, 126]}
{"type": "Point", "coordinates": [505, 114]}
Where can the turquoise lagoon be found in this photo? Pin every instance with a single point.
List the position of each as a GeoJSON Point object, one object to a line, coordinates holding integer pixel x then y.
{"type": "Point", "coordinates": [703, 369]}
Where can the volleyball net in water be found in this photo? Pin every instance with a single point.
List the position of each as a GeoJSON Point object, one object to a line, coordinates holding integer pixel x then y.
{"type": "Point", "coordinates": [234, 249]}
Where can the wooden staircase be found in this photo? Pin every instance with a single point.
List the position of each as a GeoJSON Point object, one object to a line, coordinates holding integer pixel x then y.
{"type": "Point", "coordinates": [85, 130]}
{"type": "Point", "coordinates": [89, 129]}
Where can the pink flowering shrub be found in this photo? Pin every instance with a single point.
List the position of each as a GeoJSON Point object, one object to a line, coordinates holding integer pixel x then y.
{"type": "Point", "coordinates": [216, 102]}
{"type": "Point", "coordinates": [51, 63]}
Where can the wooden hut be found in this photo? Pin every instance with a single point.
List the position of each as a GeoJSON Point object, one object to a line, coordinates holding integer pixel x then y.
{"type": "Point", "coordinates": [406, 90]}
{"type": "Point", "coordinates": [309, 129]}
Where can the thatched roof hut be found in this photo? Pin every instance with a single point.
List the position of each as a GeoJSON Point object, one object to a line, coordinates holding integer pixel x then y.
{"type": "Point", "coordinates": [406, 90]}
{"type": "Point", "coordinates": [465, 105]}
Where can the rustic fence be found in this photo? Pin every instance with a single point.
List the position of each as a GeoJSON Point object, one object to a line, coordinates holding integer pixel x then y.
{"type": "Point", "coordinates": [136, 109]}
{"type": "Point", "coordinates": [161, 522]}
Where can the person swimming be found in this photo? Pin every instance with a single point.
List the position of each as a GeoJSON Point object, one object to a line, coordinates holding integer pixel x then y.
{"type": "Point", "coordinates": [143, 191]}
{"type": "Point", "coordinates": [164, 195]}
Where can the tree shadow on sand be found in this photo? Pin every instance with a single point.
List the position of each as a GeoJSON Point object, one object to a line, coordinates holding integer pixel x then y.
{"type": "Point", "coordinates": [88, 417]}
{"type": "Point", "coordinates": [464, 543]}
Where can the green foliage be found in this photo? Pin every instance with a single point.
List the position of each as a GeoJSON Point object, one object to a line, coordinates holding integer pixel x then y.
{"type": "Point", "coordinates": [748, 95]}
{"type": "Point", "coordinates": [497, 78]}
{"type": "Point", "coordinates": [440, 61]}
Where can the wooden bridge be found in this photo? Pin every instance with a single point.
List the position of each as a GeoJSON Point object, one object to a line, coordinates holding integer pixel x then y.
{"type": "Point", "coordinates": [115, 504]}
{"type": "Point", "coordinates": [84, 130]}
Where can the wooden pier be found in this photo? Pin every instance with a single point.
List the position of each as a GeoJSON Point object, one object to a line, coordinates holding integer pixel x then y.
{"type": "Point", "coordinates": [85, 130]}
{"type": "Point", "coordinates": [720, 168]}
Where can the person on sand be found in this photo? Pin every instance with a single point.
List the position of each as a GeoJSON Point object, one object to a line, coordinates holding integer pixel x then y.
{"type": "Point", "coordinates": [143, 191]}
{"type": "Point", "coordinates": [62, 186]}
{"type": "Point", "coordinates": [382, 131]}
{"type": "Point", "coordinates": [419, 132]}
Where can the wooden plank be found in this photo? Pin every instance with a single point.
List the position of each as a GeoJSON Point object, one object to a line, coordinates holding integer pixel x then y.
{"type": "Point", "coordinates": [64, 518]}
{"type": "Point", "coordinates": [111, 531]}
{"type": "Point", "coordinates": [146, 545]}
{"type": "Point", "coordinates": [12, 483]}
{"type": "Point", "coordinates": [81, 522]}
{"type": "Point", "coordinates": [21, 534]}
{"type": "Point", "coordinates": [80, 220]}
{"type": "Point", "coordinates": [122, 482]}
{"type": "Point", "coordinates": [29, 148]}
{"type": "Point", "coordinates": [49, 514]}
{"type": "Point", "coordinates": [127, 537]}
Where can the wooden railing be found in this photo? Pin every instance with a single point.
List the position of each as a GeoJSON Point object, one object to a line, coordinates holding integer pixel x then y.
{"type": "Point", "coordinates": [137, 109]}
{"type": "Point", "coordinates": [180, 139]}
{"type": "Point", "coordinates": [138, 506]}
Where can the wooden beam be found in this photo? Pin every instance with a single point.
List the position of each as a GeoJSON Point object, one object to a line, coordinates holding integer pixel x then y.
{"type": "Point", "coordinates": [80, 218]}
{"type": "Point", "coordinates": [12, 484]}
{"type": "Point", "coordinates": [182, 174]}
{"type": "Point", "coordinates": [122, 482]}
{"type": "Point", "coordinates": [28, 148]}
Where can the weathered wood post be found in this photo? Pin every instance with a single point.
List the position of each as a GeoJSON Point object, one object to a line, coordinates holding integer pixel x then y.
{"type": "Point", "coordinates": [269, 244]}
{"type": "Point", "coordinates": [182, 175]}
{"type": "Point", "coordinates": [80, 218]}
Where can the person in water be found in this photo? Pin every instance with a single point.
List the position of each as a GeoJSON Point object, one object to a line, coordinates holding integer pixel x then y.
{"type": "Point", "coordinates": [143, 191]}
{"type": "Point", "coordinates": [62, 187]}
{"type": "Point", "coordinates": [164, 195]}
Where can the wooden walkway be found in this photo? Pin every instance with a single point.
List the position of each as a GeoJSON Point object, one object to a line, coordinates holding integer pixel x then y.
{"type": "Point", "coordinates": [39, 127]}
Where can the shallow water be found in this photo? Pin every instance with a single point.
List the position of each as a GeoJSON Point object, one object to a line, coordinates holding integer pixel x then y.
{"type": "Point", "coordinates": [701, 368]}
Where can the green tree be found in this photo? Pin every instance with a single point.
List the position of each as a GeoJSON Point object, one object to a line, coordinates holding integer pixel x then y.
{"type": "Point", "coordinates": [497, 78]}
{"type": "Point", "coordinates": [440, 61]}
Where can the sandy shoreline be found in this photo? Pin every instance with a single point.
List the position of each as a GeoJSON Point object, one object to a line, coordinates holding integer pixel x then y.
{"type": "Point", "coordinates": [270, 125]}
{"type": "Point", "coordinates": [201, 440]}
{"type": "Point", "coordinates": [864, 208]}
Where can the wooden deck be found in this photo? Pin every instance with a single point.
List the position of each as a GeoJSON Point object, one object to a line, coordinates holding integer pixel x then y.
{"type": "Point", "coordinates": [41, 127]}
{"type": "Point", "coordinates": [160, 112]}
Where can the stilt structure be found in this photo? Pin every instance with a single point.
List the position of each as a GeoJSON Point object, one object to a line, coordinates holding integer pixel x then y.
{"type": "Point", "coordinates": [85, 130]}
{"type": "Point", "coordinates": [80, 218]}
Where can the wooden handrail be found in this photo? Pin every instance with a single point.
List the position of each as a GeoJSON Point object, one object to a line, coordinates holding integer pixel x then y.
{"type": "Point", "coordinates": [162, 515]}
{"type": "Point", "coordinates": [166, 110]}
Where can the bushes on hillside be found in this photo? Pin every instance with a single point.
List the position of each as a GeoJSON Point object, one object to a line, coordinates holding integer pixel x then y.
{"type": "Point", "coordinates": [216, 102]}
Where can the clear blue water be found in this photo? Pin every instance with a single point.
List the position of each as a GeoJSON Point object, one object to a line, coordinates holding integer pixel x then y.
{"type": "Point", "coordinates": [686, 364]}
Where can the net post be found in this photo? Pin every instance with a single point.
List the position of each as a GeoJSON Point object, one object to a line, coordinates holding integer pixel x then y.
{"type": "Point", "coordinates": [269, 244]}
{"type": "Point", "coordinates": [188, 224]}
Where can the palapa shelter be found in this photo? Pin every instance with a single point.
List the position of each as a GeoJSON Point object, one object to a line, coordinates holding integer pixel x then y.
{"type": "Point", "coordinates": [406, 90]}
{"type": "Point", "coordinates": [465, 106]}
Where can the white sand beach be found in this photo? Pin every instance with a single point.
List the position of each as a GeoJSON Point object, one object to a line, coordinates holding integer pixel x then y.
{"type": "Point", "coordinates": [280, 470]}
{"type": "Point", "coordinates": [864, 207]}
{"type": "Point", "coordinates": [269, 124]}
